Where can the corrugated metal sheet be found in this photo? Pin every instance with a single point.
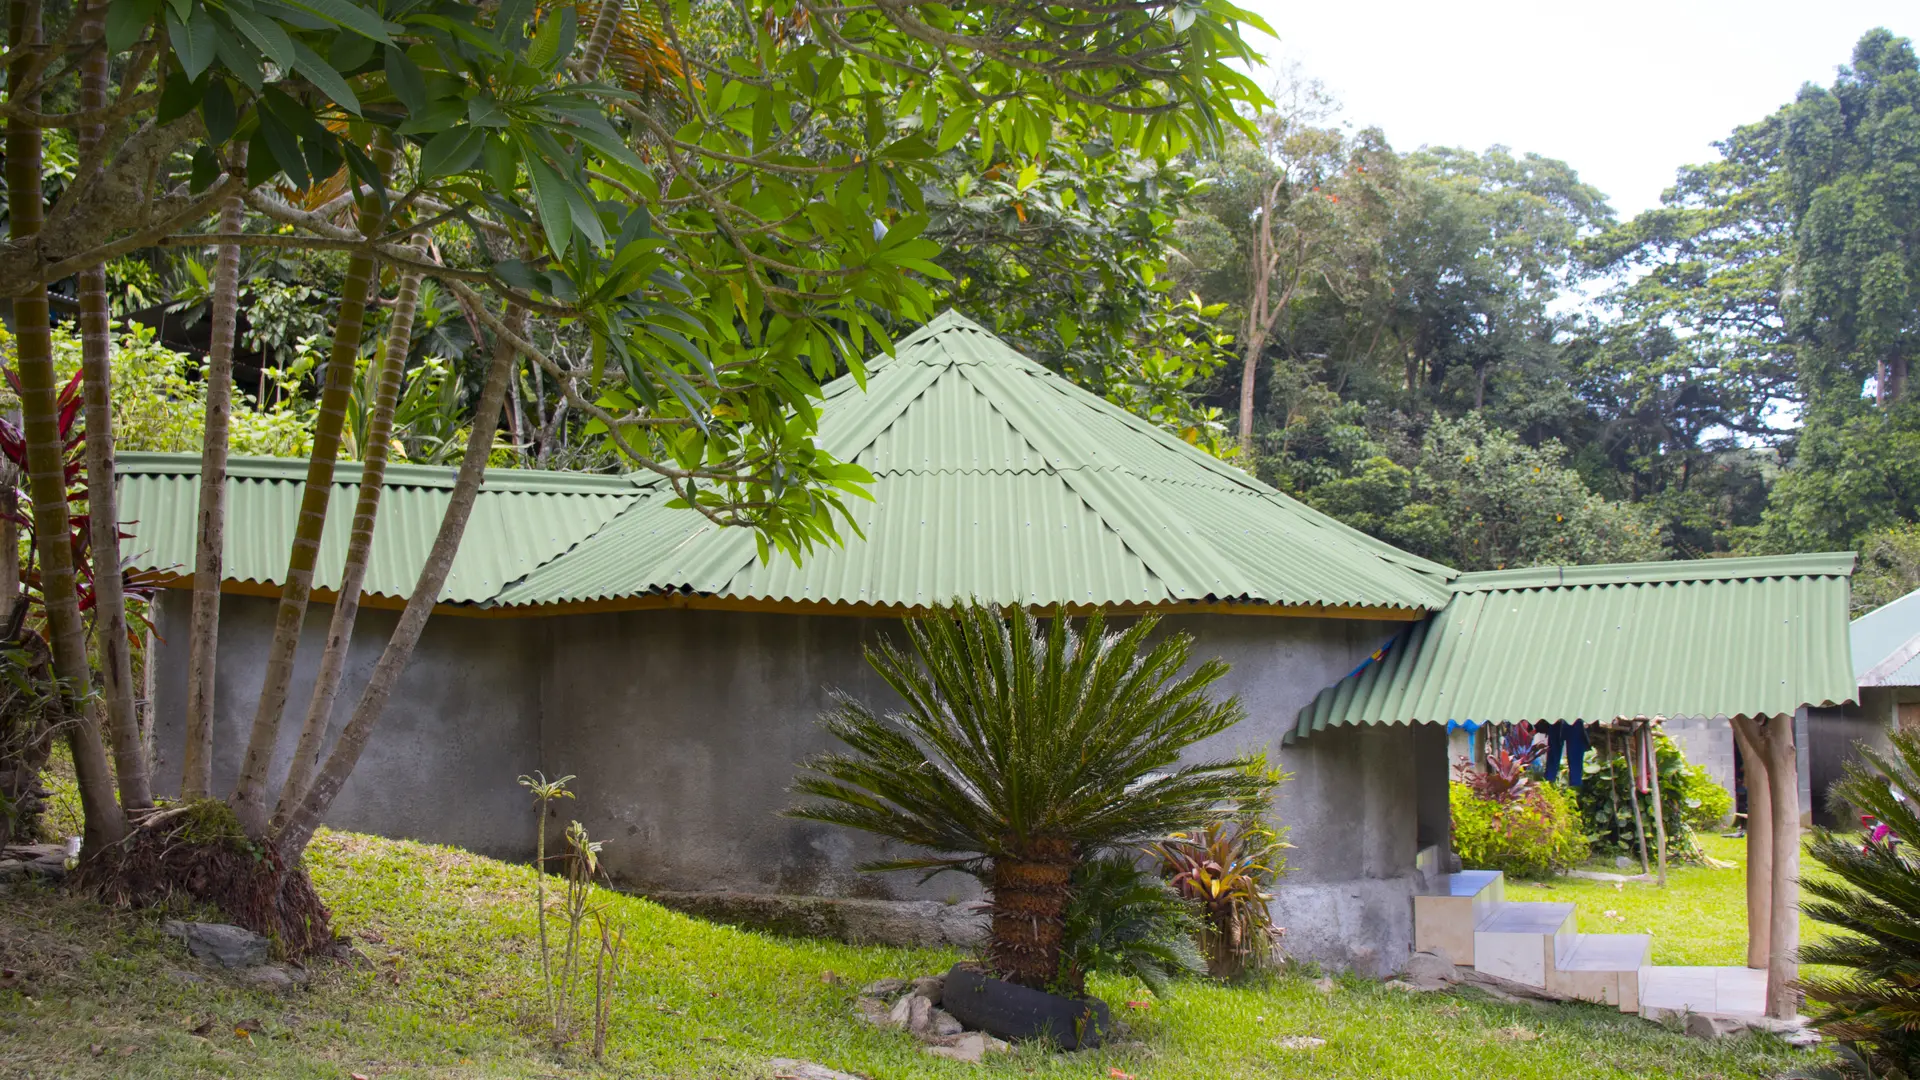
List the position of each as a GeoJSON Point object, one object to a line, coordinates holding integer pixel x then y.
{"type": "Point", "coordinates": [1736, 637]}
{"type": "Point", "coordinates": [1878, 634]}
{"type": "Point", "coordinates": [522, 519]}
{"type": "Point", "coordinates": [995, 478]}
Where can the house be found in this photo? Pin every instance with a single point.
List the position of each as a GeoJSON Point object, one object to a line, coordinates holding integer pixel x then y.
{"type": "Point", "coordinates": [1885, 646]}
{"type": "Point", "coordinates": [589, 629]}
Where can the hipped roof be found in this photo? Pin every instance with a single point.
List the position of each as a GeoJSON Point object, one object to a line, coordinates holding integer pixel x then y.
{"type": "Point", "coordinates": [994, 478]}
{"type": "Point", "coordinates": [1886, 644]}
{"type": "Point", "coordinates": [1710, 637]}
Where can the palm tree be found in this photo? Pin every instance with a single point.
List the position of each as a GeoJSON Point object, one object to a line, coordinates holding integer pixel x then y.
{"type": "Point", "coordinates": [1026, 748]}
{"type": "Point", "coordinates": [1872, 902]}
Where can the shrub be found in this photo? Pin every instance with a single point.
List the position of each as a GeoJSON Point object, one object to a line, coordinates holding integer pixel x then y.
{"type": "Point", "coordinates": [1226, 869]}
{"type": "Point", "coordinates": [1606, 806]}
{"type": "Point", "coordinates": [1532, 835]}
{"type": "Point", "coordinates": [1122, 920]}
{"type": "Point", "coordinates": [1704, 804]}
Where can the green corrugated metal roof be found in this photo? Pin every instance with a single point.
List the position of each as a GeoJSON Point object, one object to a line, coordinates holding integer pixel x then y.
{"type": "Point", "coordinates": [522, 519]}
{"type": "Point", "coordinates": [1879, 634]}
{"type": "Point", "coordinates": [1735, 637]}
{"type": "Point", "coordinates": [995, 478]}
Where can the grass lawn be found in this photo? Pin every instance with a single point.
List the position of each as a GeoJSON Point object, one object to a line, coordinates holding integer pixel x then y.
{"type": "Point", "coordinates": [1699, 918]}
{"type": "Point", "coordinates": [450, 989]}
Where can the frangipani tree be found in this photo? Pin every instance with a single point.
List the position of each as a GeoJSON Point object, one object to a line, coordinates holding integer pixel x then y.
{"type": "Point", "coordinates": [726, 225]}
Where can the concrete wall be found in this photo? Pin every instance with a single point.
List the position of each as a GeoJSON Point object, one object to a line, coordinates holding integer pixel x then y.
{"type": "Point", "coordinates": [1706, 741]}
{"type": "Point", "coordinates": [461, 726]}
{"type": "Point", "coordinates": [683, 730]}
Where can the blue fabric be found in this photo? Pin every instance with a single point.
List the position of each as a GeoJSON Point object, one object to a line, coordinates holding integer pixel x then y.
{"type": "Point", "coordinates": [1570, 738]}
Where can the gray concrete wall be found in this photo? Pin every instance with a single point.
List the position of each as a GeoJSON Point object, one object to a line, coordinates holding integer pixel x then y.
{"type": "Point", "coordinates": [1706, 741]}
{"type": "Point", "coordinates": [684, 729]}
{"type": "Point", "coordinates": [463, 722]}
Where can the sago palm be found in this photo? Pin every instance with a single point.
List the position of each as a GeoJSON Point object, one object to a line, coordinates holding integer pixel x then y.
{"type": "Point", "coordinates": [1025, 748]}
{"type": "Point", "coordinates": [1872, 903]}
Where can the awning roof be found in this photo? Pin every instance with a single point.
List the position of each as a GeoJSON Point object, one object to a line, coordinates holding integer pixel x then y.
{"type": "Point", "coordinates": [995, 478]}
{"type": "Point", "coordinates": [1711, 637]}
{"type": "Point", "coordinates": [1886, 644]}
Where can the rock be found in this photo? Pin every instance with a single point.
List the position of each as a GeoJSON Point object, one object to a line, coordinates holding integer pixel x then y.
{"type": "Point", "coordinates": [13, 870]}
{"type": "Point", "coordinates": [919, 1015]}
{"type": "Point", "coordinates": [872, 1010]}
{"type": "Point", "coordinates": [901, 1013]}
{"type": "Point", "coordinates": [1702, 1026]}
{"type": "Point", "coordinates": [942, 1023]}
{"type": "Point", "coordinates": [883, 988]}
{"type": "Point", "coordinates": [1324, 984]}
{"type": "Point", "coordinates": [794, 1069]}
{"type": "Point", "coordinates": [220, 944]}
{"type": "Point", "coordinates": [272, 977]}
{"type": "Point", "coordinates": [971, 1047]}
{"type": "Point", "coordinates": [930, 987]}
{"type": "Point", "coordinates": [1430, 971]}
{"type": "Point", "coordinates": [1622, 861]}
{"type": "Point", "coordinates": [1299, 1042]}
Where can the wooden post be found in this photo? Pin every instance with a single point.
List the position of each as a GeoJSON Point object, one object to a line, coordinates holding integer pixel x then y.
{"type": "Point", "coordinates": [1633, 795]}
{"type": "Point", "coordinates": [1783, 922]}
{"type": "Point", "coordinates": [1746, 733]}
{"type": "Point", "coordinates": [1653, 781]}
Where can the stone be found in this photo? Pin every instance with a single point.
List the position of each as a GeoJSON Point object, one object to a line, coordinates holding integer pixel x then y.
{"type": "Point", "coordinates": [1430, 971]}
{"type": "Point", "coordinates": [1324, 984]}
{"type": "Point", "coordinates": [919, 1015]}
{"type": "Point", "coordinates": [1299, 1042]}
{"type": "Point", "coordinates": [901, 1013]}
{"type": "Point", "coordinates": [271, 977]}
{"type": "Point", "coordinates": [1703, 1026]}
{"type": "Point", "coordinates": [1622, 861]}
{"type": "Point", "coordinates": [882, 988]}
{"type": "Point", "coordinates": [872, 1010]}
{"type": "Point", "coordinates": [220, 944]}
{"type": "Point", "coordinates": [795, 1069]}
{"type": "Point", "coordinates": [942, 1023]}
{"type": "Point", "coordinates": [930, 987]}
{"type": "Point", "coordinates": [971, 1047]}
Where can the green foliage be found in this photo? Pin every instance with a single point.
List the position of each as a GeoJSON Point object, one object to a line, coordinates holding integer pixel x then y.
{"type": "Point", "coordinates": [1688, 796]}
{"type": "Point", "coordinates": [1871, 902]}
{"type": "Point", "coordinates": [1533, 835]}
{"type": "Point", "coordinates": [1026, 742]}
{"type": "Point", "coordinates": [1227, 870]}
{"type": "Point", "coordinates": [1889, 567]}
{"type": "Point", "coordinates": [1122, 920]}
{"type": "Point", "coordinates": [1477, 498]}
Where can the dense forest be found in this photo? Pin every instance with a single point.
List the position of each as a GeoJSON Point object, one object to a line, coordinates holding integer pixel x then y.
{"type": "Point", "coordinates": [1463, 352]}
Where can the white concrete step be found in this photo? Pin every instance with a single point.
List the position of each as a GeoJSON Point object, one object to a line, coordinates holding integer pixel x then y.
{"type": "Point", "coordinates": [1518, 941]}
{"type": "Point", "coordinates": [1444, 917]}
{"type": "Point", "coordinates": [1737, 992]}
{"type": "Point", "coordinates": [1602, 968]}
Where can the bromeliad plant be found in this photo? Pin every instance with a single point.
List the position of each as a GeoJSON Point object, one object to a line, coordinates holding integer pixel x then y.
{"type": "Point", "coordinates": [1027, 748]}
{"type": "Point", "coordinates": [1226, 869]}
{"type": "Point", "coordinates": [1871, 901]}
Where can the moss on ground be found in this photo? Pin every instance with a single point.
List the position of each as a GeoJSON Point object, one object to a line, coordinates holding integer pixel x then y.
{"type": "Point", "coordinates": [449, 988]}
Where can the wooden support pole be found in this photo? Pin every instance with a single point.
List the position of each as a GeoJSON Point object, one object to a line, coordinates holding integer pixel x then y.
{"type": "Point", "coordinates": [1746, 733]}
{"type": "Point", "coordinates": [1783, 922]}
{"type": "Point", "coordinates": [1653, 781]}
{"type": "Point", "coordinates": [1633, 795]}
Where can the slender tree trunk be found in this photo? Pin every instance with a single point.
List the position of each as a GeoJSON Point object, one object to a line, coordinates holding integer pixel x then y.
{"type": "Point", "coordinates": [1659, 811]}
{"type": "Point", "coordinates": [607, 15]}
{"type": "Point", "coordinates": [1783, 937]}
{"type": "Point", "coordinates": [1259, 318]}
{"type": "Point", "coordinates": [1029, 904]}
{"type": "Point", "coordinates": [106, 823]}
{"type": "Point", "coordinates": [345, 755]}
{"type": "Point", "coordinates": [203, 643]}
{"type": "Point", "coordinates": [1895, 376]}
{"type": "Point", "coordinates": [103, 516]}
{"type": "Point", "coordinates": [249, 796]}
{"type": "Point", "coordinates": [1759, 842]}
{"type": "Point", "coordinates": [9, 539]}
{"type": "Point", "coordinates": [346, 607]}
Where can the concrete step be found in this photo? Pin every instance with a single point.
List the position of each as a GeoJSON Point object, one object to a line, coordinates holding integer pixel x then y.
{"type": "Point", "coordinates": [1602, 968]}
{"type": "Point", "coordinates": [1518, 941]}
{"type": "Point", "coordinates": [1445, 915]}
{"type": "Point", "coordinates": [1736, 992]}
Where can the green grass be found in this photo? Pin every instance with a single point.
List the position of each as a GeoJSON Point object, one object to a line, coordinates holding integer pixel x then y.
{"type": "Point", "coordinates": [1700, 918]}
{"type": "Point", "coordinates": [450, 989]}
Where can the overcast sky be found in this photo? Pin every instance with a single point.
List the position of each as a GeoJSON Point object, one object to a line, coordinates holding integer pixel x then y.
{"type": "Point", "coordinates": [1626, 92]}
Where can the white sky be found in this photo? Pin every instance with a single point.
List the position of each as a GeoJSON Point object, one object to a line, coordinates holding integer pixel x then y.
{"type": "Point", "coordinates": [1626, 92]}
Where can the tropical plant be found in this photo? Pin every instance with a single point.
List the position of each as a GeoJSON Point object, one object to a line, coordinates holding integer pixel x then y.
{"type": "Point", "coordinates": [1530, 835]}
{"type": "Point", "coordinates": [1027, 747]}
{"type": "Point", "coordinates": [1870, 902]}
{"type": "Point", "coordinates": [1690, 799]}
{"type": "Point", "coordinates": [1227, 869]}
{"type": "Point", "coordinates": [1505, 776]}
{"type": "Point", "coordinates": [1122, 920]}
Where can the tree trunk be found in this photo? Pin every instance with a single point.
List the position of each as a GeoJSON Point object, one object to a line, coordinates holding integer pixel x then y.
{"type": "Point", "coordinates": [1896, 378]}
{"type": "Point", "coordinates": [1783, 936]}
{"type": "Point", "coordinates": [106, 823]}
{"type": "Point", "coordinates": [1259, 318]}
{"type": "Point", "coordinates": [203, 641]}
{"type": "Point", "coordinates": [292, 839]}
{"type": "Point", "coordinates": [602, 36]}
{"type": "Point", "coordinates": [103, 516]}
{"type": "Point", "coordinates": [1029, 905]}
{"type": "Point", "coordinates": [1759, 842]}
{"type": "Point", "coordinates": [1659, 811]}
{"type": "Point", "coordinates": [346, 607]}
{"type": "Point", "coordinates": [249, 796]}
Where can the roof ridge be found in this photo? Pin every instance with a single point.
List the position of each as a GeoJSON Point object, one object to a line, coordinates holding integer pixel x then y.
{"type": "Point", "coordinates": [398, 474]}
{"type": "Point", "coordinates": [1744, 568]}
